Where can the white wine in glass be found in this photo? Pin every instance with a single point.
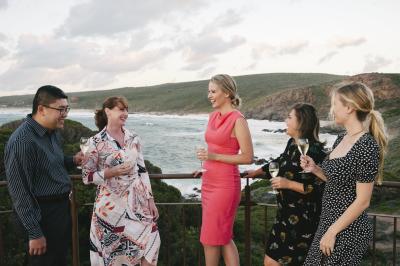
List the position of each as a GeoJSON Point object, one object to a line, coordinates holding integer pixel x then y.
{"type": "Point", "coordinates": [200, 148]}
{"type": "Point", "coordinates": [84, 145]}
{"type": "Point", "coordinates": [302, 145]}
{"type": "Point", "coordinates": [273, 170]}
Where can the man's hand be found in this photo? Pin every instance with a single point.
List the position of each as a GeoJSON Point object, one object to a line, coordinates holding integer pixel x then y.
{"type": "Point", "coordinates": [37, 246]}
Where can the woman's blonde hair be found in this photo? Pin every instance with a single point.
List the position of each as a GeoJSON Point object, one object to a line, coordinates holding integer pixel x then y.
{"type": "Point", "coordinates": [228, 85]}
{"type": "Point", "coordinates": [361, 98]}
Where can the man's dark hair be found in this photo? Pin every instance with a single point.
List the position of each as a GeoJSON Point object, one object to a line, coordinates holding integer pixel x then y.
{"type": "Point", "coordinates": [46, 95]}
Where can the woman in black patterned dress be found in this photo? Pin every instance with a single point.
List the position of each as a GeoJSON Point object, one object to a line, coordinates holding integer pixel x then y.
{"type": "Point", "coordinates": [299, 198]}
{"type": "Point", "coordinates": [344, 231]}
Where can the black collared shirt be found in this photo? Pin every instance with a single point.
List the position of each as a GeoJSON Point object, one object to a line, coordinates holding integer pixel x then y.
{"type": "Point", "coordinates": [35, 166]}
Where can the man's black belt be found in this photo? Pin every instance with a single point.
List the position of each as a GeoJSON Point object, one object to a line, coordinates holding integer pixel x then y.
{"type": "Point", "coordinates": [53, 198]}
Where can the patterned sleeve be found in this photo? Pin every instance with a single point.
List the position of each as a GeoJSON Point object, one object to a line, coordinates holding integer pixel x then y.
{"type": "Point", "coordinates": [313, 185]}
{"type": "Point", "coordinates": [279, 159]}
{"type": "Point", "coordinates": [367, 162]}
{"type": "Point", "coordinates": [142, 171]}
{"type": "Point", "coordinates": [91, 172]}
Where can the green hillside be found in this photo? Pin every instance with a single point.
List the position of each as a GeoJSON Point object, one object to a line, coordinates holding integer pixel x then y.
{"type": "Point", "coordinates": [187, 97]}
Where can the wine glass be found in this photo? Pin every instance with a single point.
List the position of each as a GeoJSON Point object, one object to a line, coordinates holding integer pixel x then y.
{"type": "Point", "coordinates": [198, 149]}
{"type": "Point", "coordinates": [302, 145]}
{"type": "Point", "coordinates": [273, 170]}
{"type": "Point", "coordinates": [84, 145]}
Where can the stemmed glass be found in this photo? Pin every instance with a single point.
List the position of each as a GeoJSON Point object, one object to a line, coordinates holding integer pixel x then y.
{"type": "Point", "coordinates": [302, 145]}
{"type": "Point", "coordinates": [84, 145]}
{"type": "Point", "coordinates": [200, 148]}
{"type": "Point", "coordinates": [273, 170]}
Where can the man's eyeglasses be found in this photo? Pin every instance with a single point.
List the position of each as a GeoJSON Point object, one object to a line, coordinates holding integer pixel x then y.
{"type": "Point", "coordinates": [62, 111]}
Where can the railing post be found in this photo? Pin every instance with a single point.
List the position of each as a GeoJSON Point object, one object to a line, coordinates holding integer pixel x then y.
{"type": "Point", "coordinates": [1, 248]}
{"type": "Point", "coordinates": [265, 225]}
{"type": "Point", "coordinates": [374, 242]}
{"type": "Point", "coordinates": [394, 240]}
{"type": "Point", "coordinates": [168, 230]}
{"type": "Point", "coordinates": [199, 245]}
{"type": "Point", "coordinates": [75, 232]}
{"type": "Point", "coordinates": [247, 211]}
{"type": "Point", "coordinates": [184, 236]}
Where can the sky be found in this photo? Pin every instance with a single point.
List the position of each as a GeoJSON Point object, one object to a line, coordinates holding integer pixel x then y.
{"type": "Point", "coordinates": [81, 45]}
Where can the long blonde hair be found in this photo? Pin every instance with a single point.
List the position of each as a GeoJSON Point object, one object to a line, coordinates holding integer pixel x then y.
{"type": "Point", "coordinates": [361, 98]}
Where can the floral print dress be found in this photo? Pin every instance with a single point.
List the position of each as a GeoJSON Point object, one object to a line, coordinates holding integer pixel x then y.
{"type": "Point", "coordinates": [122, 228]}
{"type": "Point", "coordinates": [298, 214]}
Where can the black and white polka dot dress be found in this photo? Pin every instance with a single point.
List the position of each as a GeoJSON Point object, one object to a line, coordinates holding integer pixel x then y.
{"type": "Point", "coordinates": [360, 164]}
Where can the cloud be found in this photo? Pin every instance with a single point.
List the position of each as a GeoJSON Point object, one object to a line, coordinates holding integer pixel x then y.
{"type": "Point", "coordinates": [3, 37]}
{"type": "Point", "coordinates": [120, 62]}
{"type": "Point", "coordinates": [74, 62]}
{"type": "Point", "coordinates": [207, 72]}
{"type": "Point", "coordinates": [103, 17]}
{"type": "Point", "coordinates": [48, 52]}
{"type": "Point", "coordinates": [374, 63]}
{"type": "Point", "coordinates": [139, 39]}
{"type": "Point", "coordinates": [202, 48]}
{"type": "Point", "coordinates": [292, 48]}
{"type": "Point", "coordinates": [3, 52]}
{"type": "Point", "coordinates": [3, 4]}
{"type": "Point", "coordinates": [349, 42]}
{"type": "Point", "coordinates": [262, 50]}
{"type": "Point", "coordinates": [223, 21]}
{"type": "Point", "coordinates": [199, 52]}
{"type": "Point", "coordinates": [327, 57]}
{"type": "Point", "coordinates": [72, 76]}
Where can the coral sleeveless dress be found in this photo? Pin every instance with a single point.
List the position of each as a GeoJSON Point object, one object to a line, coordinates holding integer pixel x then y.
{"type": "Point", "coordinates": [220, 190]}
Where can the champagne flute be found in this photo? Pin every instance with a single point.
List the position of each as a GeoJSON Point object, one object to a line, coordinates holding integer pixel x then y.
{"type": "Point", "coordinates": [84, 145]}
{"type": "Point", "coordinates": [302, 145]}
{"type": "Point", "coordinates": [273, 170]}
{"type": "Point", "coordinates": [200, 148]}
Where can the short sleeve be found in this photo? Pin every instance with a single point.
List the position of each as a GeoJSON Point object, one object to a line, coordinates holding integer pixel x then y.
{"type": "Point", "coordinates": [367, 160]}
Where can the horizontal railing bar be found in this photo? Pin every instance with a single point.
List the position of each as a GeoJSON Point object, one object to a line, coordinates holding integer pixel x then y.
{"type": "Point", "coordinates": [383, 215]}
{"type": "Point", "coordinates": [266, 204]}
{"type": "Point", "coordinates": [389, 184]}
{"type": "Point", "coordinates": [160, 203]}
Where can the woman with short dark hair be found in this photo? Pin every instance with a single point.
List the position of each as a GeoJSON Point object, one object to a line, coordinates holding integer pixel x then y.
{"type": "Point", "coordinates": [299, 197]}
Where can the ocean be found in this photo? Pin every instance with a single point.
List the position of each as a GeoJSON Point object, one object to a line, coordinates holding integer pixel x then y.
{"type": "Point", "coordinates": [169, 140]}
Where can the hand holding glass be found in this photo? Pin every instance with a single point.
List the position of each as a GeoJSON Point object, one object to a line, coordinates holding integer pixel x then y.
{"type": "Point", "coordinates": [84, 145]}
{"type": "Point", "coordinates": [273, 170]}
{"type": "Point", "coordinates": [200, 148]}
{"type": "Point", "coordinates": [302, 145]}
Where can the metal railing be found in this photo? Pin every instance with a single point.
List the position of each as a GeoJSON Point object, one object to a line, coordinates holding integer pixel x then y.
{"type": "Point", "coordinates": [247, 203]}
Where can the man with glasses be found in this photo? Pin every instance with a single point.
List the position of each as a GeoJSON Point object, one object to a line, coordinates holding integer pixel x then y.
{"type": "Point", "coordinates": [38, 181]}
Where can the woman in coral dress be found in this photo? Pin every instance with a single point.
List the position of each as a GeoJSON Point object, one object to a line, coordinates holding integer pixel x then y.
{"type": "Point", "coordinates": [123, 229]}
{"type": "Point", "coordinates": [227, 133]}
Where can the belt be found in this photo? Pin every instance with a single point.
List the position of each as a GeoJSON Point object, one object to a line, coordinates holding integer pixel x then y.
{"type": "Point", "coordinates": [53, 198]}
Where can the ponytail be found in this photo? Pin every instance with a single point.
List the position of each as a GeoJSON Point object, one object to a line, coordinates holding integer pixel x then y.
{"type": "Point", "coordinates": [100, 119]}
{"type": "Point", "coordinates": [377, 130]}
{"type": "Point", "coordinates": [236, 101]}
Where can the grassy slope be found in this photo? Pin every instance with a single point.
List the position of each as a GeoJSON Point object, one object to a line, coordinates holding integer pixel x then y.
{"type": "Point", "coordinates": [188, 96]}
